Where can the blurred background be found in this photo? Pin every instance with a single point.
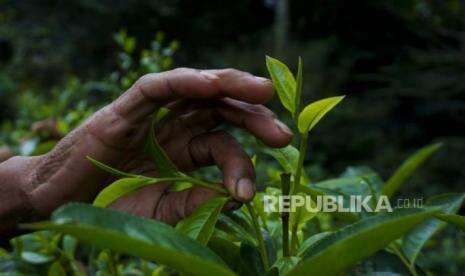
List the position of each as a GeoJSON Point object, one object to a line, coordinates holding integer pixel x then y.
{"type": "Point", "coordinates": [401, 63]}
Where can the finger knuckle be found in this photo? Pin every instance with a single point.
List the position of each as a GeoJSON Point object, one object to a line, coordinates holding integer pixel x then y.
{"type": "Point", "coordinates": [183, 70]}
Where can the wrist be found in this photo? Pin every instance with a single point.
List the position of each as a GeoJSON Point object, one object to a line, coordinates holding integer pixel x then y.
{"type": "Point", "coordinates": [15, 188]}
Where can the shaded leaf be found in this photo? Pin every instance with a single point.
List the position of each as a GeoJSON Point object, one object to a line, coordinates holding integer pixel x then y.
{"type": "Point", "coordinates": [358, 241]}
{"type": "Point", "coordinates": [286, 264]}
{"type": "Point", "coordinates": [407, 168]}
{"type": "Point", "coordinates": [227, 250]}
{"type": "Point", "coordinates": [311, 241]}
{"type": "Point", "coordinates": [56, 269]}
{"type": "Point", "coordinates": [250, 260]}
{"type": "Point", "coordinates": [163, 164]}
{"type": "Point", "coordinates": [417, 238]}
{"type": "Point", "coordinates": [287, 157]}
{"type": "Point", "coordinates": [201, 223]}
{"type": "Point", "coordinates": [314, 112]}
{"type": "Point", "coordinates": [457, 220]}
{"type": "Point", "coordinates": [135, 236]}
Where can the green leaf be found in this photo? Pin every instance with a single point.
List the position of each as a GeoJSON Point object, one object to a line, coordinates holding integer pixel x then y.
{"type": "Point", "coordinates": [287, 157]}
{"type": "Point", "coordinates": [407, 168]}
{"type": "Point", "coordinates": [314, 112]}
{"type": "Point", "coordinates": [201, 223]}
{"type": "Point", "coordinates": [358, 241]}
{"type": "Point", "coordinates": [301, 216]}
{"type": "Point", "coordinates": [298, 89]}
{"type": "Point", "coordinates": [56, 270]}
{"type": "Point", "coordinates": [109, 169]}
{"type": "Point", "coordinates": [227, 250]}
{"type": "Point", "coordinates": [250, 262]}
{"type": "Point", "coordinates": [231, 227]}
{"type": "Point", "coordinates": [135, 236]}
{"type": "Point", "coordinates": [286, 264]}
{"type": "Point", "coordinates": [3, 253]}
{"type": "Point", "coordinates": [453, 219]}
{"type": "Point", "coordinates": [163, 164]}
{"type": "Point", "coordinates": [417, 238]}
{"type": "Point", "coordinates": [283, 81]}
{"type": "Point", "coordinates": [35, 257]}
{"type": "Point", "coordinates": [311, 241]}
{"type": "Point", "coordinates": [315, 192]}
{"type": "Point", "coordinates": [125, 186]}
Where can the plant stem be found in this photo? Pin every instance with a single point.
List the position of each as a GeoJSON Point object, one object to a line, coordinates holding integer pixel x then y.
{"type": "Point", "coordinates": [294, 239]}
{"type": "Point", "coordinates": [300, 163]}
{"type": "Point", "coordinates": [410, 267]}
{"type": "Point", "coordinates": [296, 184]}
{"type": "Point", "coordinates": [259, 236]}
{"type": "Point", "coordinates": [202, 183]}
{"type": "Point", "coordinates": [285, 188]}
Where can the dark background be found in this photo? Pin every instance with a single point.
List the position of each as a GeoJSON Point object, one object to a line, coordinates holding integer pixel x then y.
{"type": "Point", "coordinates": [401, 63]}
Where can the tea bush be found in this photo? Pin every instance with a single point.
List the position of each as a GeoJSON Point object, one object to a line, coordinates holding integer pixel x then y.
{"type": "Point", "coordinates": [81, 238]}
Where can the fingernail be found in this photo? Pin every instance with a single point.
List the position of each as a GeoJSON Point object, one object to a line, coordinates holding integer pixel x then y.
{"type": "Point", "coordinates": [209, 76]}
{"type": "Point", "coordinates": [245, 189]}
{"type": "Point", "coordinates": [283, 127]}
{"type": "Point", "coordinates": [263, 79]}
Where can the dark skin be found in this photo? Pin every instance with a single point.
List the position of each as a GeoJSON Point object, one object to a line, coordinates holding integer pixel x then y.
{"type": "Point", "coordinates": [32, 187]}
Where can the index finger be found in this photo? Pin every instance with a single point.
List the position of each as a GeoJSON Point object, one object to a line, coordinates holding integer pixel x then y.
{"type": "Point", "coordinates": [151, 90]}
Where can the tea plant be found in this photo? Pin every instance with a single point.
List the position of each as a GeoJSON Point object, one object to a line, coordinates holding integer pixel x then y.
{"type": "Point", "coordinates": [250, 241]}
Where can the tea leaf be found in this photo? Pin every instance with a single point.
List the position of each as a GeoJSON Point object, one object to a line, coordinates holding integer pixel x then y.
{"type": "Point", "coordinates": [287, 157]}
{"type": "Point", "coordinates": [164, 165]}
{"type": "Point", "coordinates": [283, 81]}
{"type": "Point", "coordinates": [311, 241]}
{"type": "Point", "coordinates": [286, 264]}
{"type": "Point", "coordinates": [125, 186]}
{"type": "Point", "coordinates": [417, 238]}
{"type": "Point", "coordinates": [135, 236]}
{"type": "Point", "coordinates": [35, 257]}
{"type": "Point", "coordinates": [314, 112]}
{"type": "Point", "coordinates": [231, 227]}
{"type": "Point", "coordinates": [56, 269]}
{"type": "Point", "coordinates": [298, 89]}
{"type": "Point", "coordinates": [227, 250]}
{"type": "Point", "coordinates": [201, 223]}
{"type": "Point", "coordinates": [453, 219]}
{"type": "Point", "coordinates": [109, 169]}
{"type": "Point", "coordinates": [408, 168]}
{"type": "Point", "coordinates": [250, 261]}
{"type": "Point", "coordinates": [358, 241]}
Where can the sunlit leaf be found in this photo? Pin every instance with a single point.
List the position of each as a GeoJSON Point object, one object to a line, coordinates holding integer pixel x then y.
{"type": "Point", "coordinates": [283, 81]}
{"type": "Point", "coordinates": [124, 186]}
{"type": "Point", "coordinates": [408, 168]}
{"type": "Point", "coordinates": [135, 236]}
{"type": "Point", "coordinates": [314, 112]}
{"type": "Point", "coordinates": [299, 84]}
{"type": "Point", "coordinates": [201, 223]}
{"type": "Point", "coordinates": [358, 241]}
{"type": "Point", "coordinates": [109, 169]}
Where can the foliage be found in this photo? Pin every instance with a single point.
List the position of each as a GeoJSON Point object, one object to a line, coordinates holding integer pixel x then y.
{"type": "Point", "coordinates": [248, 241]}
{"type": "Point", "coordinates": [71, 103]}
